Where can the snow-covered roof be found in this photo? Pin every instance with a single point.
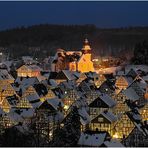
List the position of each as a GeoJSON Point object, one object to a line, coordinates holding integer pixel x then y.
{"type": "Point", "coordinates": [113, 143]}
{"type": "Point", "coordinates": [24, 82]}
{"type": "Point", "coordinates": [145, 78]}
{"type": "Point", "coordinates": [135, 117]}
{"type": "Point", "coordinates": [137, 67]}
{"type": "Point", "coordinates": [52, 83]}
{"type": "Point", "coordinates": [34, 100]}
{"type": "Point", "coordinates": [91, 74]}
{"type": "Point", "coordinates": [131, 94]}
{"type": "Point", "coordinates": [69, 74]}
{"type": "Point", "coordinates": [129, 79]}
{"type": "Point", "coordinates": [58, 92]}
{"type": "Point", "coordinates": [13, 100]}
{"type": "Point", "coordinates": [84, 116]}
{"type": "Point", "coordinates": [120, 73]}
{"type": "Point", "coordinates": [55, 102]}
{"type": "Point", "coordinates": [96, 139]}
{"type": "Point", "coordinates": [1, 112]}
{"type": "Point", "coordinates": [4, 75]}
{"type": "Point", "coordinates": [58, 117]}
{"type": "Point", "coordinates": [109, 115]}
{"type": "Point", "coordinates": [20, 114]}
{"type": "Point", "coordinates": [8, 64]}
{"type": "Point", "coordinates": [41, 78]}
{"type": "Point", "coordinates": [107, 99]}
{"type": "Point", "coordinates": [34, 67]}
{"type": "Point", "coordinates": [69, 84]}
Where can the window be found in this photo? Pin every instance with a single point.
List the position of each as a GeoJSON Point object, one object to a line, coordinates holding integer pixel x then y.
{"type": "Point", "coordinates": [100, 119]}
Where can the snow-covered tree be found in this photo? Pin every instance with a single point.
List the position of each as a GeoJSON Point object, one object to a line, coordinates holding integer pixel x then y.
{"type": "Point", "coordinates": [69, 134]}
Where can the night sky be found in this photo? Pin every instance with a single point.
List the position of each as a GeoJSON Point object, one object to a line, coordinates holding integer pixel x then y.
{"type": "Point", "coordinates": [102, 14]}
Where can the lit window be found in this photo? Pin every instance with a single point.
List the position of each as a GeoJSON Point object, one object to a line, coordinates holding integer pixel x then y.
{"type": "Point", "coordinates": [100, 119]}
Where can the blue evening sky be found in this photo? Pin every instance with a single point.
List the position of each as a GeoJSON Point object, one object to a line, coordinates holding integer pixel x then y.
{"type": "Point", "coordinates": [102, 14]}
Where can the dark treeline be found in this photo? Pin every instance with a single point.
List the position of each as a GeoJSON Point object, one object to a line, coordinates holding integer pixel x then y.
{"type": "Point", "coordinates": [43, 40]}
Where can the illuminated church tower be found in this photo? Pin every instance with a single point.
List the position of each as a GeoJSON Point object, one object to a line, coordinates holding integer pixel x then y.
{"type": "Point", "coordinates": [85, 64]}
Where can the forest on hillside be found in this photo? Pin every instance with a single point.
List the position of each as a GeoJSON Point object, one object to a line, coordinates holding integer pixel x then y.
{"type": "Point", "coordinates": [43, 40]}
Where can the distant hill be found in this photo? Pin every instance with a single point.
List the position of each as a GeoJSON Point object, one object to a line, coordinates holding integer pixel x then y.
{"type": "Point", "coordinates": [45, 39]}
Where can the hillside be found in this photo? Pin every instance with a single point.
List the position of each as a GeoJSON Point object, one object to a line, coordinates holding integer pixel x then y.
{"type": "Point", "coordinates": [47, 38]}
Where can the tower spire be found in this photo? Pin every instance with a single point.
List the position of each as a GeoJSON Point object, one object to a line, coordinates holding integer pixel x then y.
{"type": "Point", "coordinates": [86, 47]}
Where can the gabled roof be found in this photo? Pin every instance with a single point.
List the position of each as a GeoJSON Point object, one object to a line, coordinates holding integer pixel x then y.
{"type": "Point", "coordinates": [112, 143]}
{"type": "Point", "coordinates": [4, 75]}
{"type": "Point", "coordinates": [135, 117]}
{"type": "Point", "coordinates": [92, 139]}
{"type": "Point", "coordinates": [108, 86]}
{"type": "Point", "coordinates": [19, 114]}
{"type": "Point", "coordinates": [131, 94]}
{"type": "Point", "coordinates": [106, 99]}
{"type": "Point", "coordinates": [22, 83]}
{"type": "Point", "coordinates": [107, 115]}
{"type": "Point", "coordinates": [132, 73]}
{"type": "Point", "coordinates": [69, 84]}
{"type": "Point", "coordinates": [84, 116]}
{"type": "Point", "coordinates": [41, 89]}
{"type": "Point", "coordinates": [31, 67]}
{"type": "Point", "coordinates": [55, 103]}
{"type": "Point", "coordinates": [52, 83]}
{"type": "Point", "coordinates": [34, 100]}
{"type": "Point", "coordinates": [13, 100]}
{"type": "Point", "coordinates": [69, 74]}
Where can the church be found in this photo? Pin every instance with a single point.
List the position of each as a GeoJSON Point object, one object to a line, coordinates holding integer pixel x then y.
{"type": "Point", "coordinates": [73, 60]}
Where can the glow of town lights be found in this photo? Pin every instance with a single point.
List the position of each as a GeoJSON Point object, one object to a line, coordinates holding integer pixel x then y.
{"type": "Point", "coordinates": [115, 136]}
{"type": "Point", "coordinates": [66, 107]}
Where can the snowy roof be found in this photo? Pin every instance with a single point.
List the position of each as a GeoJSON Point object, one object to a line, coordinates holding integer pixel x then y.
{"type": "Point", "coordinates": [34, 67]}
{"type": "Point", "coordinates": [135, 117]}
{"type": "Point", "coordinates": [84, 116]}
{"type": "Point", "coordinates": [19, 114]}
{"type": "Point", "coordinates": [55, 102]}
{"type": "Point", "coordinates": [69, 74]}
{"type": "Point", "coordinates": [52, 83]}
{"type": "Point", "coordinates": [41, 78]}
{"type": "Point", "coordinates": [145, 78]}
{"type": "Point", "coordinates": [13, 100]}
{"type": "Point", "coordinates": [58, 92]}
{"type": "Point", "coordinates": [69, 84]}
{"type": "Point", "coordinates": [113, 143]}
{"type": "Point", "coordinates": [34, 100]}
{"type": "Point", "coordinates": [58, 117]}
{"type": "Point", "coordinates": [41, 89]}
{"type": "Point", "coordinates": [76, 74]}
{"type": "Point", "coordinates": [129, 79]}
{"type": "Point", "coordinates": [131, 94]}
{"type": "Point", "coordinates": [109, 115]}
{"type": "Point", "coordinates": [143, 85]}
{"type": "Point", "coordinates": [107, 99]}
{"type": "Point", "coordinates": [96, 139]}
{"type": "Point", "coordinates": [4, 75]}
{"type": "Point", "coordinates": [1, 112]}
{"type": "Point", "coordinates": [22, 83]}
{"type": "Point", "coordinates": [8, 64]}
{"type": "Point", "coordinates": [137, 67]}
{"type": "Point", "coordinates": [91, 74]}
{"type": "Point", "coordinates": [120, 73]}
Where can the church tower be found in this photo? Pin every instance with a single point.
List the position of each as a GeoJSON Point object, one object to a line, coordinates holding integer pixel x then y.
{"type": "Point", "coordinates": [86, 47]}
{"type": "Point", "coordinates": [85, 64]}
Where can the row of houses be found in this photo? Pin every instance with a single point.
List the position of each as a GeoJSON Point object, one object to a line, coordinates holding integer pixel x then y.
{"type": "Point", "coordinates": [104, 102]}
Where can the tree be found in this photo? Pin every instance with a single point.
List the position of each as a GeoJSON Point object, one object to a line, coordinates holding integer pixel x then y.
{"type": "Point", "coordinates": [141, 53]}
{"type": "Point", "coordinates": [69, 134]}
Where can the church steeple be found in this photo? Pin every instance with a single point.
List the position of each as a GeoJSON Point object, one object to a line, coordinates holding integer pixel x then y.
{"type": "Point", "coordinates": [86, 47]}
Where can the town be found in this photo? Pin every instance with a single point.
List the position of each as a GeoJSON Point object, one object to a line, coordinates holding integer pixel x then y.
{"type": "Point", "coordinates": [72, 99]}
